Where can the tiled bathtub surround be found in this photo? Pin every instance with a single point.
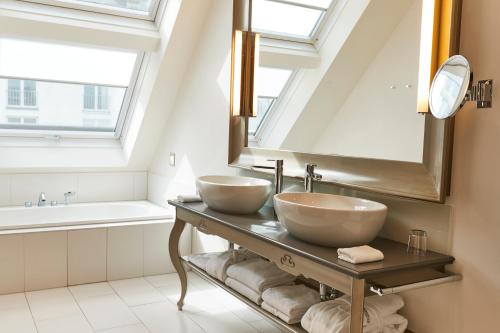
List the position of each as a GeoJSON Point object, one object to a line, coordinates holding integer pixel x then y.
{"type": "Point", "coordinates": [16, 189]}
{"type": "Point", "coordinates": [44, 260]}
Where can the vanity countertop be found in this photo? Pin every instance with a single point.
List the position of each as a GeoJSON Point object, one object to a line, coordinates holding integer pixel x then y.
{"type": "Point", "coordinates": [265, 226]}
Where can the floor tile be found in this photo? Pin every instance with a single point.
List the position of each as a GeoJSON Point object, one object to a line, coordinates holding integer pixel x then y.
{"type": "Point", "coordinates": [264, 326]}
{"type": "Point", "coordinates": [13, 301]}
{"type": "Point", "coordinates": [17, 320]}
{"type": "Point", "coordinates": [138, 328]}
{"type": "Point", "coordinates": [222, 323]}
{"type": "Point", "coordinates": [52, 303]}
{"type": "Point", "coordinates": [136, 292]}
{"type": "Point", "coordinates": [247, 314]}
{"type": "Point", "coordinates": [74, 324]}
{"type": "Point", "coordinates": [85, 291]}
{"type": "Point", "coordinates": [165, 318]}
{"type": "Point", "coordinates": [108, 311]}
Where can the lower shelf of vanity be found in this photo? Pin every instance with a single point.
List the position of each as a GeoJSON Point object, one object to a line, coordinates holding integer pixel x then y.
{"type": "Point", "coordinates": [289, 328]}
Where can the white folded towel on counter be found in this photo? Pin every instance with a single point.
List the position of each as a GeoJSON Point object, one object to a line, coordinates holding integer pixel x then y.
{"type": "Point", "coordinates": [380, 316]}
{"type": "Point", "coordinates": [244, 290]}
{"type": "Point", "coordinates": [289, 303]}
{"type": "Point", "coordinates": [218, 264]}
{"type": "Point", "coordinates": [188, 198]}
{"type": "Point", "coordinates": [360, 254]}
{"type": "Point", "coordinates": [259, 274]}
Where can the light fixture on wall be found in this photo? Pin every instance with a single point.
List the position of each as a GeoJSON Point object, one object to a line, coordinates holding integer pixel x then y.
{"type": "Point", "coordinates": [245, 61]}
{"type": "Point", "coordinates": [452, 87]}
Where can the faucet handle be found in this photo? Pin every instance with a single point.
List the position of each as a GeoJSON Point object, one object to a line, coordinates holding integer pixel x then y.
{"type": "Point", "coordinates": [67, 195]}
{"type": "Point", "coordinates": [310, 171]}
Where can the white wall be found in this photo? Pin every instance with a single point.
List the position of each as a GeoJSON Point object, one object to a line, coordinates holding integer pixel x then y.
{"type": "Point", "coordinates": [466, 227]}
{"type": "Point", "coordinates": [16, 189]}
{"type": "Point", "coordinates": [376, 121]}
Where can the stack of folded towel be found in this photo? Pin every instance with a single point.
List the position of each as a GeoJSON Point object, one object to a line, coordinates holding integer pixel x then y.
{"type": "Point", "coordinates": [216, 264]}
{"type": "Point", "coordinates": [289, 303]}
{"type": "Point", "coordinates": [252, 277]}
{"type": "Point", "coordinates": [380, 315]}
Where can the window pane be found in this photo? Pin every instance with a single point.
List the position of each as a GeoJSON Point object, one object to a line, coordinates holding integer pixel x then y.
{"type": "Point", "coordinates": [271, 81]}
{"type": "Point", "coordinates": [14, 92]}
{"type": "Point", "coordinates": [60, 107]}
{"type": "Point", "coordinates": [280, 18]}
{"type": "Point", "coordinates": [316, 3]}
{"type": "Point", "coordinates": [138, 5]}
{"type": "Point", "coordinates": [29, 93]}
{"type": "Point", "coordinates": [43, 61]}
{"type": "Point", "coordinates": [270, 85]}
{"type": "Point", "coordinates": [265, 104]}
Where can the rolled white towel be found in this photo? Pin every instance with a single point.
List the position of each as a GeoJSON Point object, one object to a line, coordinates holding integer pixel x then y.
{"type": "Point", "coordinates": [259, 274]}
{"type": "Point", "coordinates": [334, 316]}
{"type": "Point", "coordinates": [360, 254]}
{"type": "Point", "coordinates": [291, 301]}
{"type": "Point", "coordinates": [218, 264]}
{"type": "Point", "coordinates": [188, 198]}
{"type": "Point", "coordinates": [244, 290]}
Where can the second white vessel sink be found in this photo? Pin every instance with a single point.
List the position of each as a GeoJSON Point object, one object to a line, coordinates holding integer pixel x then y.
{"type": "Point", "coordinates": [330, 220]}
{"type": "Point", "coordinates": [233, 194]}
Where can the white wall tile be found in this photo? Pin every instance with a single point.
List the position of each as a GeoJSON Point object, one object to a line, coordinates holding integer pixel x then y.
{"type": "Point", "coordinates": [105, 186]}
{"type": "Point", "coordinates": [5, 190]}
{"type": "Point", "coordinates": [45, 258]}
{"type": "Point", "coordinates": [11, 264]}
{"type": "Point", "coordinates": [125, 252]}
{"type": "Point", "coordinates": [87, 256]}
{"type": "Point", "coordinates": [156, 254]}
{"type": "Point", "coordinates": [157, 192]}
{"type": "Point", "coordinates": [27, 187]}
{"type": "Point", "coordinates": [140, 185]}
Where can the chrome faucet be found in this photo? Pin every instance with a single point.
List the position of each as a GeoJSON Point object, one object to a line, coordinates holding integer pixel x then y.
{"type": "Point", "coordinates": [278, 174]}
{"type": "Point", "coordinates": [67, 195]}
{"type": "Point", "coordinates": [310, 176]}
{"type": "Point", "coordinates": [42, 199]}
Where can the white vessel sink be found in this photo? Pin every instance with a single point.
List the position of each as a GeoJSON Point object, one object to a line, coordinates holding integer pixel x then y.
{"type": "Point", "coordinates": [232, 194]}
{"type": "Point", "coordinates": [330, 220]}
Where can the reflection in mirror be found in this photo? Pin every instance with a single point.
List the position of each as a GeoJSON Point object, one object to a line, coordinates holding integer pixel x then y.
{"type": "Point", "coordinates": [361, 98]}
{"type": "Point", "coordinates": [449, 87]}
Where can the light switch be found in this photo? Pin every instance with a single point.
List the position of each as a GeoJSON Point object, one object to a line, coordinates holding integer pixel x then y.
{"type": "Point", "coordinates": [172, 160]}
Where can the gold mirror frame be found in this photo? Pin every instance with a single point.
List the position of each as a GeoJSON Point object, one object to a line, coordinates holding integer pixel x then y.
{"type": "Point", "coordinates": [429, 180]}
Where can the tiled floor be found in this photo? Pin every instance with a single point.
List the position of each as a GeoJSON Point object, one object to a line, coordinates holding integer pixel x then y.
{"type": "Point", "coordinates": [142, 305]}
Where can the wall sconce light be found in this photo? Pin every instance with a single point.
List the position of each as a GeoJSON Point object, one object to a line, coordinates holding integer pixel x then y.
{"type": "Point", "coordinates": [245, 61]}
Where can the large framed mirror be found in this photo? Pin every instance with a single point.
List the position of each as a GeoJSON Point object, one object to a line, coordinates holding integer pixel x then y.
{"type": "Point", "coordinates": [344, 84]}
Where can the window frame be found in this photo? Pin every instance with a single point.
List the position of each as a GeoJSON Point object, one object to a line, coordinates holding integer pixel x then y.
{"type": "Point", "coordinates": [295, 38]}
{"type": "Point", "coordinates": [22, 96]}
{"type": "Point", "coordinates": [84, 133]}
{"type": "Point", "coordinates": [272, 109]}
{"type": "Point", "coordinates": [103, 9]}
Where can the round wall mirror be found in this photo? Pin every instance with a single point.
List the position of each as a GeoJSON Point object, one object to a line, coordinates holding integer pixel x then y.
{"type": "Point", "coordinates": [449, 87]}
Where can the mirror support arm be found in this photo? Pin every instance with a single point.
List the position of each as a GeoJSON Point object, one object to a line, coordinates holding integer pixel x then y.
{"type": "Point", "coordinates": [481, 93]}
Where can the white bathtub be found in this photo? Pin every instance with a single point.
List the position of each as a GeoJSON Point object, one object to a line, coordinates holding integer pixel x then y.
{"type": "Point", "coordinates": [14, 218]}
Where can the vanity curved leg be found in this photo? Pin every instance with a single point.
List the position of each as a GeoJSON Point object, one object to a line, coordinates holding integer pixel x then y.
{"type": "Point", "coordinates": [175, 257]}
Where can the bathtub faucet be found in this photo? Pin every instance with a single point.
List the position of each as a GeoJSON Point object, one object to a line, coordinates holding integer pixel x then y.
{"type": "Point", "coordinates": [41, 199]}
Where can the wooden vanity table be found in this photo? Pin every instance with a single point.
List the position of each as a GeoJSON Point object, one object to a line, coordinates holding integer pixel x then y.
{"type": "Point", "coordinates": [262, 234]}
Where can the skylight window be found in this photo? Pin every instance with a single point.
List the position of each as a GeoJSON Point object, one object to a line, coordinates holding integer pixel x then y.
{"type": "Point", "coordinates": [144, 9]}
{"type": "Point", "coordinates": [270, 85]}
{"type": "Point", "coordinates": [295, 19]}
{"type": "Point", "coordinates": [65, 88]}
